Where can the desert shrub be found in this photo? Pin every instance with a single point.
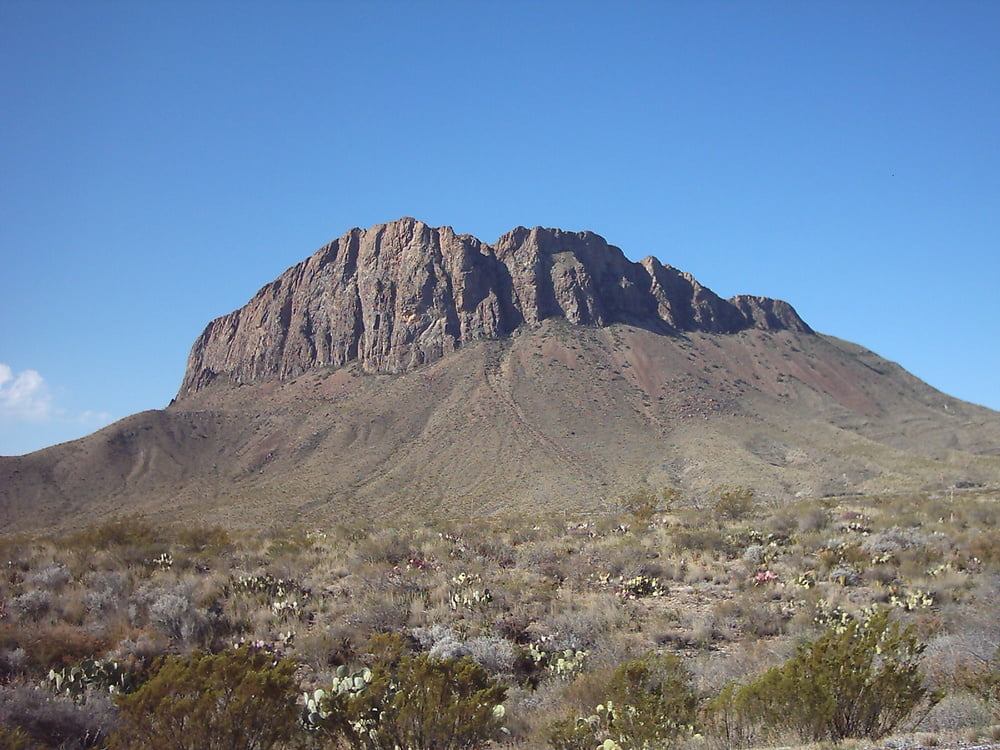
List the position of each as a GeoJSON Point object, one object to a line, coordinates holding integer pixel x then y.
{"type": "Point", "coordinates": [812, 519]}
{"type": "Point", "coordinates": [956, 713]}
{"type": "Point", "coordinates": [643, 505]}
{"type": "Point", "coordinates": [105, 591]}
{"type": "Point", "coordinates": [985, 546]}
{"type": "Point", "coordinates": [377, 613]}
{"type": "Point", "coordinates": [894, 540]}
{"type": "Point", "coordinates": [51, 577]}
{"type": "Point", "coordinates": [210, 541]}
{"type": "Point", "coordinates": [733, 503]}
{"type": "Point", "coordinates": [238, 698]}
{"type": "Point", "coordinates": [31, 717]}
{"type": "Point", "coordinates": [861, 679]}
{"type": "Point", "coordinates": [33, 604]}
{"type": "Point", "coordinates": [650, 702]}
{"type": "Point", "coordinates": [59, 646]}
{"type": "Point", "coordinates": [734, 717]}
{"type": "Point", "coordinates": [494, 654]}
{"type": "Point", "coordinates": [496, 552]}
{"type": "Point", "coordinates": [326, 646]}
{"type": "Point", "coordinates": [416, 702]}
{"type": "Point", "coordinates": [702, 538]}
{"type": "Point", "coordinates": [138, 653]}
{"type": "Point", "coordinates": [176, 616]}
{"type": "Point", "coordinates": [172, 608]}
{"type": "Point", "coordinates": [13, 662]}
{"type": "Point", "coordinates": [762, 619]}
{"type": "Point", "coordinates": [586, 624]}
{"type": "Point", "coordinates": [985, 682]}
{"type": "Point", "coordinates": [131, 539]}
{"type": "Point", "coordinates": [130, 530]}
{"type": "Point", "coordinates": [386, 546]}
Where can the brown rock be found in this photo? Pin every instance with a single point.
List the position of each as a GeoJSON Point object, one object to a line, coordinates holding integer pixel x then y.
{"type": "Point", "coordinates": [403, 294]}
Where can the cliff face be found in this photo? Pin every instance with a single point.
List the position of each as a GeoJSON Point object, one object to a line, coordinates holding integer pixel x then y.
{"type": "Point", "coordinates": [403, 294]}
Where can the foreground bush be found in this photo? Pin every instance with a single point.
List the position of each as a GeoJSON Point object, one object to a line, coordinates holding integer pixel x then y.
{"type": "Point", "coordinates": [861, 679]}
{"type": "Point", "coordinates": [235, 700]}
{"type": "Point", "coordinates": [650, 703]}
{"type": "Point", "coordinates": [415, 702]}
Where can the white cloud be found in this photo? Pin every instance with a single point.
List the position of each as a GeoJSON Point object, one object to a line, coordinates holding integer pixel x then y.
{"type": "Point", "coordinates": [24, 397]}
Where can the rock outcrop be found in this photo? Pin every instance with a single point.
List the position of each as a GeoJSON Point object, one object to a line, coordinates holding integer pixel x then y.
{"type": "Point", "coordinates": [403, 294]}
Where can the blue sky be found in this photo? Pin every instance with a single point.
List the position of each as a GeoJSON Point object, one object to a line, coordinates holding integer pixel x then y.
{"type": "Point", "coordinates": [160, 161]}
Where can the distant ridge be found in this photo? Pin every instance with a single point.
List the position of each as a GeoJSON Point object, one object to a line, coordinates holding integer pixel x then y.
{"type": "Point", "coordinates": [403, 294]}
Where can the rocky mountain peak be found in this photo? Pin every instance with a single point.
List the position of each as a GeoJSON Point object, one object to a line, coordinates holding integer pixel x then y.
{"type": "Point", "coordinates": [402, 294]}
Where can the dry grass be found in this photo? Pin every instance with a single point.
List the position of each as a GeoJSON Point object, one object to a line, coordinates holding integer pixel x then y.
{"type": "Point", "coordinates": [732, 596]}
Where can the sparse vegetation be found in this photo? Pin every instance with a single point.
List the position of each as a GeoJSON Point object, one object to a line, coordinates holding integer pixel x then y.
{"type": "Point", "coordinates": [657, 623]}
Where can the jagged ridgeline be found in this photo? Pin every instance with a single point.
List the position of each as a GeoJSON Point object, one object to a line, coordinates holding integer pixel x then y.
{"type": "Point", "coordinates": [404, 294]}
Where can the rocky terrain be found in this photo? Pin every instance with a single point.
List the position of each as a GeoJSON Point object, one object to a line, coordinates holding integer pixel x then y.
{"type": "Point", "coordinates": [409, 366]}
{"type": "Point", "coordinates": [401, 295]}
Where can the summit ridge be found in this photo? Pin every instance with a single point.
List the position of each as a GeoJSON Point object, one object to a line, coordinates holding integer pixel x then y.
{"type": "Point", "coordinates": [403, 294]}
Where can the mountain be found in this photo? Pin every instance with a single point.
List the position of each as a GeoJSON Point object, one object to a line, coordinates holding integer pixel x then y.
{"type": "Point", "coordinates": [399, 296]}
{"type": "Point", "coordinates": [410, 367]}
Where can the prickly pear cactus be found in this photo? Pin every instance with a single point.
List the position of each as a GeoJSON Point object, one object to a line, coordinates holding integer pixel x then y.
{"type": "Point", "coordinates": [318, 705]}
{"type": "Point", "coordinates": [91, 674]}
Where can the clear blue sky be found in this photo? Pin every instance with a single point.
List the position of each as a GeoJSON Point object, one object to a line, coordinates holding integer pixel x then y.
{"type": "Point", "coordinates": [160, 161]}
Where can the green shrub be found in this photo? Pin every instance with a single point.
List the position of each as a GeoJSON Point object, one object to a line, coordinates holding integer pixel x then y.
{"type": "Point", "coordinates": [416, 702]}
{"type": "Point", "coordinates": [734, 503]}
{"type": "Point", "coordinates": [650, 703]}
{"type": "Point", "coordinates": [860, 679]}
{"type": "Point", "coordinates": [234, 699]}
{"type": "Point", "coordinates": [734, 716]}
{"type": "Point", "coordinates": [643, 505]}
{"type": "Point", "coordinates": [122, 532]}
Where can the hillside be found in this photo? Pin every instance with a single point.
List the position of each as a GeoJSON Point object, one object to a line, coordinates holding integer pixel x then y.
{"type": "Point", "coordinates": [405, 366]}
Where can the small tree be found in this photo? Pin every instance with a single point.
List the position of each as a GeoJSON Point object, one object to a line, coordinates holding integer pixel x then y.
{"type": "Point", "coordinates": [235, 700]}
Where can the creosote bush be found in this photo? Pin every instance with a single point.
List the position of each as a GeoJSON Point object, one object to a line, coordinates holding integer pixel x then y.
{"type": "Point", "coordinates": [649, 702]}
{"type": "Point", "coordinates": [410, 701]}
{"type": "Point", "coordinates": [239, 698]}
{"type": "Point", "coordinates": [734, 503]}
{"type": "Point", "coordinates": [861, 679]}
